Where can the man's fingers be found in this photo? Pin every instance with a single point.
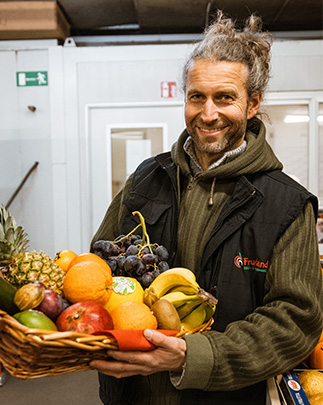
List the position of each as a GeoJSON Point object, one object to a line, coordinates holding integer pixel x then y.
{"type": "Point", "coordinates": [118, 369]}
{"type": "Point", "coordinates": [154, 337]}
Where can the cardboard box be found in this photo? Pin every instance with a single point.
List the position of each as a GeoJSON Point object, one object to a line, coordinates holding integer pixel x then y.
{"type": "Point", "coordinates": [272, 397]}
{"type": "Point", "coordinates": [32, 20]}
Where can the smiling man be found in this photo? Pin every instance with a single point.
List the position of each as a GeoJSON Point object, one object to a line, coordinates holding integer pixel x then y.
{"type": "Point", "coordinates": [224, 209]}
{"type": "Point", "coordinates": [217, 108]}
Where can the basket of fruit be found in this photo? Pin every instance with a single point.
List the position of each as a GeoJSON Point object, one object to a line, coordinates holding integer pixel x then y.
{"type": "Point", "coordinates": [57, 315]}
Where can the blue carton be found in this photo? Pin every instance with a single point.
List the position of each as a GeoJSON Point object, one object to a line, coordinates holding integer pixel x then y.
{"type": "Point", "coordinates": [292, 389]}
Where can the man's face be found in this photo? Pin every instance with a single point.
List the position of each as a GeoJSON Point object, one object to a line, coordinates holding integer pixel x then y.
{"type": "Point", "coordinates": [217, 108]}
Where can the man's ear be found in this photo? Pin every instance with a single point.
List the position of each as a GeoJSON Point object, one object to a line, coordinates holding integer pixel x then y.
{"type": "Point", "coordinates": [253, 105]}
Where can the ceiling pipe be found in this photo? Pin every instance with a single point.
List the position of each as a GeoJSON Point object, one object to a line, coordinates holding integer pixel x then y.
{"type": "Point", "coordinates": [207, 13]}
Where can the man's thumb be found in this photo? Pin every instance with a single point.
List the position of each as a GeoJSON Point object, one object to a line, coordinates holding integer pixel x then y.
{"type": "Point", "coordinates": [154, 337]}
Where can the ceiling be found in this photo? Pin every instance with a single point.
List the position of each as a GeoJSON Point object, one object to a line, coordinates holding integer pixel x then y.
{"type": "Point", "coordinates": [106, 17]}
{"type": "Point", "coordinates": [302, 18]}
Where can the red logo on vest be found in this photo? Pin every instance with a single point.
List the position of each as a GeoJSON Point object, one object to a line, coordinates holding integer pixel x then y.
{"type": "Point", "coordinates": [249, 264]}
{"type": "Point", "coordinates": [238, 261]}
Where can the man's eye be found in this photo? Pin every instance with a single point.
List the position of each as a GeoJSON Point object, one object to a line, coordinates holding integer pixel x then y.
{"type": "Point", "coordinates": [195, 97]}
{"type": "Point", "coordinates": [226, 97]}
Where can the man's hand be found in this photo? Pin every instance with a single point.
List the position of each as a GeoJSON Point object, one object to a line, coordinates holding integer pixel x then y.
{"type": "Point", "coordinates": [169, 355]}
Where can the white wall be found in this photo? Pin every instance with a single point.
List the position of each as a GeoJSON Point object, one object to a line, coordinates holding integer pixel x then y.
{"type": "Point", "coordinates": [297, 66]}
{"type": "Point", "coordinates": [25, 137]}
{"type": "Point", "coordinates": [53, 205]}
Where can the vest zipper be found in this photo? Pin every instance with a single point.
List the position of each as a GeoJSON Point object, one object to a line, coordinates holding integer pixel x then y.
{"type": "Point", "coordinates": [191, 181]}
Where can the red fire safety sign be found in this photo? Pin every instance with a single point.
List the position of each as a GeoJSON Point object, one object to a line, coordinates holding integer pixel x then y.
{"type": "Point", "coordinates": [168, 89]}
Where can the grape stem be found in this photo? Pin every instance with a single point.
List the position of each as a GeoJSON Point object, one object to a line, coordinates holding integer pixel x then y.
{"type": "Point", "coordinates": [130, 233]}
{"type": "Point", "coordinates": [145, 235]}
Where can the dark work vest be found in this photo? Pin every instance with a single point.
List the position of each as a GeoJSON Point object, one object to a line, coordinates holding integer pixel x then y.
{"type": "Point", "coordinates": [238, 252]}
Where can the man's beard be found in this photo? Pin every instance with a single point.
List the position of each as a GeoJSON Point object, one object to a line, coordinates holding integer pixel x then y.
{"type": "Point", "coordinates": [232, 138]}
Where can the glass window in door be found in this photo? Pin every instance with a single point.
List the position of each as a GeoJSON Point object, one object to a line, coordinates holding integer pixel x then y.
{"type": "Point", "coordinates": [129, 147]}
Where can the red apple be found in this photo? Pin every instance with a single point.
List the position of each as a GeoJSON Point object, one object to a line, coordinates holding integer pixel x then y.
{"type": "Point", "coordinates": [52, 304]}
{"type": "Point", "coordinates": [84, 317]}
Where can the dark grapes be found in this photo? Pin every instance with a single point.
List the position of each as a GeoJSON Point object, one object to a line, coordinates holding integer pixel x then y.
{"type": "Point", "coordinates": [120, 261]}
{"type": "Point", "coordinates": [120, 272]}
{"type": "Point", "coordinates": [134, 239]}
{"type": "Point", "coordinates": [113, 264]}
{"type": "Point", "coordinates": [103, 248]}
{"type": "Point", "coordinates": [99, 253]}
{"type": "Point", "coordinates": [157, 273]}
{"type": "Point", "coordinates": [98, 245]}
{"type": "Point", "coordinates": [147, 279]}
{"type": "Point", "coordinates": [162, 253]}
{"type": "Point", "coordinates": [130, 264]}
{"type": "Point", "coordinates": [149, 258]}
{"type": "Point", "coordinates": [144, 251]}
{"type": "Point", "coordinates": [163, 266]}
{"type": "Point", "coordinates": [118, 240]}
{"type": "Point", "coordinates": [141, 268]}
{"type": "Point", "coordinates": [132, 250]}
{"type": "Point", "coordinates": [115, 250]}
{"type": "Point", "coordinates": [128, 256]}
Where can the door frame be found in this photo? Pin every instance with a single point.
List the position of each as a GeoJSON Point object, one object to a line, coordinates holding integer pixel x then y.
{"type": "Point", "coordinates": [89, 220]}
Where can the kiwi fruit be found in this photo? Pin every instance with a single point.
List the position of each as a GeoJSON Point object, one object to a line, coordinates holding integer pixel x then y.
{"type": "Point", "coordinates": [166, 315]}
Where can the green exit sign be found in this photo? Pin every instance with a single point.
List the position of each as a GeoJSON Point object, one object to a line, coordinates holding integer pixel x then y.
{"type": "Point", "coordinates": [38, 78]}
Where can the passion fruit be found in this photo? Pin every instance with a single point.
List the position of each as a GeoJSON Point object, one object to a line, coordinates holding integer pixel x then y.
{"type": "Point", "coordinates": [34, 319]}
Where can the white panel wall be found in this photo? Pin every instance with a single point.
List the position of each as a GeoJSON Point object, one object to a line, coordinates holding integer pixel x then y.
{"type": "Point", "coordinates": [52, 207]}
{"type": "Point", "coordinates": [26, 138]}
{"type": "Point", "coordinates": [297, 66]}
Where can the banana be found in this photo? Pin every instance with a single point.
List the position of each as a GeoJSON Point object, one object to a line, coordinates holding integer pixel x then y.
{"type": "Point", "coordinates": [195, 318]}
{"type": "Point", "coordinates": [172, 278]}
{"type": "Point", "coordinates": [209, 311]}
{"type": "Point", "coordinates": [177, 298]}
{"type": "Point", "coordinates": [188, 307]}
{"type": "Point", "coordinates": [186, 289]}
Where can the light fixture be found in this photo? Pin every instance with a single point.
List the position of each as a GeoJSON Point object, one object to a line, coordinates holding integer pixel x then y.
{"type": "Point", "coordinates": [293, 119]}
{"type": "Point", "coordinates": [296, 119]}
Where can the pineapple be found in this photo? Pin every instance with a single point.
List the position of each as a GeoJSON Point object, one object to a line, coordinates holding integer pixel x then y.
{"type": "Point", "coordinates": [19, 266]}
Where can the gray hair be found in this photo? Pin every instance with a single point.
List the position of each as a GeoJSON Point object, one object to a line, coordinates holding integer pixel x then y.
{"type": "Point", "coordinates": [224, 42]}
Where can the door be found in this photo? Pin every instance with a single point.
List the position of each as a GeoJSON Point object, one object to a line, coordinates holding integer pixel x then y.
{"type": "Point", "coordinates": [120, 136]}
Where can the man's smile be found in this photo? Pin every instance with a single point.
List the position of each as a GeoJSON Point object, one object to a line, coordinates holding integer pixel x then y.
{"type": "Point", "coordinates": [211, 131]}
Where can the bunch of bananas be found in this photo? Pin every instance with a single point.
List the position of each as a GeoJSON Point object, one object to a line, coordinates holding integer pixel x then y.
{"type": "Point", "coordinates": [178, 286]}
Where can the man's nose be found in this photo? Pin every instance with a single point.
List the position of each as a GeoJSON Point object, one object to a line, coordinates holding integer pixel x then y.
{"type": "Point", "coordinates": [209, 111]}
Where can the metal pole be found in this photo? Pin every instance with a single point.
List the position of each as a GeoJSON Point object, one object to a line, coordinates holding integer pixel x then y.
{"type": "Point", "coordinates": [21, 184]}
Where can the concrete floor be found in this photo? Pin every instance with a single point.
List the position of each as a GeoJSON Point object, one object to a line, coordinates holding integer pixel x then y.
{"type": "Point", "coordinates": [79, 388]}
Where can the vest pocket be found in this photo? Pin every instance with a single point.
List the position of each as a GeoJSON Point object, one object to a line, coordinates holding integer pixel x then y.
{"type": "Point", "coordinates": [156, 214]}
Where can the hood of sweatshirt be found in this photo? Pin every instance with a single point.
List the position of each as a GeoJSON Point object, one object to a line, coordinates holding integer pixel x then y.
{"type": "Point", "coordinates": [257, 157]}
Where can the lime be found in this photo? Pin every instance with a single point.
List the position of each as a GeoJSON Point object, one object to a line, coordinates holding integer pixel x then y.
{"type": "Point", "coordinates": [35, 320]}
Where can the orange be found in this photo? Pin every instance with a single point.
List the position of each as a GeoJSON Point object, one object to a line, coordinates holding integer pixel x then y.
{"type": "Point", "coordinates": [88, 280]}
{"type": "Point", "coordinates": [64, 258]}
{"type": "Point", "coordinates": [85, 257]}
{"type": "Point", "coordinates": [124, 289]}
{"type": "Point", "coordinates": [132, 315]}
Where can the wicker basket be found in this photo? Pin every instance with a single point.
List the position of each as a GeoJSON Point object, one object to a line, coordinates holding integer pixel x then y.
{"type": "Point", "coordinates": [32, 353]}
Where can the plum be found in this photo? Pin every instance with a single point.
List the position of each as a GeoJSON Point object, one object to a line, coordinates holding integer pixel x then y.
{"type": "Point", "coordinates": [52, 305]}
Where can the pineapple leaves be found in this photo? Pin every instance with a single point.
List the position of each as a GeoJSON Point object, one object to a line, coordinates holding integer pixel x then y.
{"type": "Point", "coordinates": [13, 238]}
{"type": "Point", "coordinates": [2, 236]}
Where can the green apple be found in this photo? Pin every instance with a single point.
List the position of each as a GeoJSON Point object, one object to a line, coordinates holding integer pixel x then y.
{"type": "Point", "coordinates": [35, 320]}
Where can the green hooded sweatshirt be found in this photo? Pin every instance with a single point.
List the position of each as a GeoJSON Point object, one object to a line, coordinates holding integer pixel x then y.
{"type": "Point", "coordinates": [276, 336]}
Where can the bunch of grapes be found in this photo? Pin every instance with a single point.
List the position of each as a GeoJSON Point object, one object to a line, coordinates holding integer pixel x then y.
{"type": "Point", "coordinates": [133, 256]}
